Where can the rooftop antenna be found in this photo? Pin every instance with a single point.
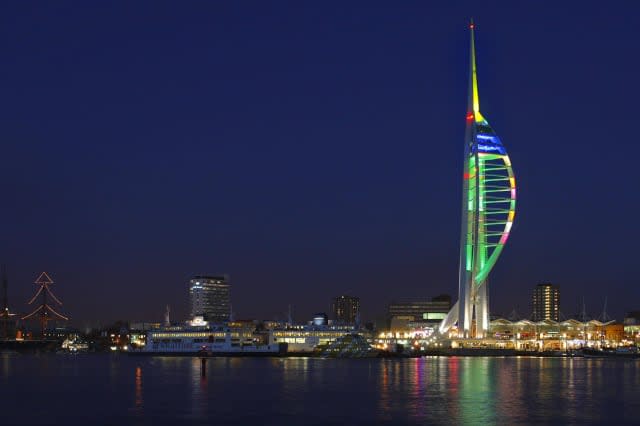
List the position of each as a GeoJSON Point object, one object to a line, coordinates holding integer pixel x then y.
{"type": "Point", "coordinates": [290, 317]}
{"type": "Point", "coordinates": [231, 314]}
{"type": "Point", "coordinates": [167, 320]}
{"type": "Point", "coordinates": [605, 316]}
{"type": "Point", "coordinates": [513, 316]}
{"type": "Point", "coordinates": [583, 314]}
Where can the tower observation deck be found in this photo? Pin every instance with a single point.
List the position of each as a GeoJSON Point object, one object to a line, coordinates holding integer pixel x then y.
{"type": "Point", "coordinates": [488, 211]}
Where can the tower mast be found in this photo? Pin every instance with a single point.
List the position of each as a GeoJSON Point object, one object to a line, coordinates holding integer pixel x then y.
{"type": "Point", "coordinates": [46, 312]}
{"type": "Point", "coordinates": [5, 291]}
{"type": "Point", "coordinates": [488, 211]}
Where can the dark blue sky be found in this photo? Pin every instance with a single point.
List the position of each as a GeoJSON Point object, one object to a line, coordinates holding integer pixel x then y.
{"type": "Point", "coordinates": [310, 149]}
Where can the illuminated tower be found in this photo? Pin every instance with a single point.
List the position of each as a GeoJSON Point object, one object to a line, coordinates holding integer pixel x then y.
{"type": "Point", "coordinates": [488, 210]}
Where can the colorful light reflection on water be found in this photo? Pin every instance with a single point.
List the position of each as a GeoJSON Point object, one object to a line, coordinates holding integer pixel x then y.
{"type": "Point", "coordinates": [112, 389]}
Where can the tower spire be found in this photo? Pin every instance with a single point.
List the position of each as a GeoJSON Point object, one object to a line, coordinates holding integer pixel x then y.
{"type": "Point", "coordinates": [473, 108]}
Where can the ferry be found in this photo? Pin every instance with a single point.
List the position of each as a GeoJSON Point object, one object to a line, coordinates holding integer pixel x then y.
{"type": "Point", "coordinates": [199, 338]}
{"type": "Point", "coordinates": [237, 338]}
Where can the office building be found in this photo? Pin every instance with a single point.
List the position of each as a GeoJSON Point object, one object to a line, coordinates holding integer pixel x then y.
{"type": "Point", "coordinates": [210, 297]}
{"type": "Point", "coordinates": [421, 308]}
{"type": "Point", "coordinates": [346, 309]}
{"type": "Point", "coordinates": [418, 311]}
{"type": "Point", "coordinates": [546, 302]}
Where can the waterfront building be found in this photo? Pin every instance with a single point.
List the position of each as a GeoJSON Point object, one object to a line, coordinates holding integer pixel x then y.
{"type": "Point", "coordinates": [614, 332]}
{"type": "Point", "coordinates": [346, 309]}
{"type": "Point", "coordinates": [138, 332]}
{"type": "Point", "coordinates": [632, 326]}
{"type": "Point", "coordinates": [307, 338]}
{"type": "Point", "coordinates": [210, 297]}
{"type": "Point", "coordinates": [524, 335]}
{"type": "Point", "coordinates": [546, 302]}
{"type": "Point", "coordinates": [488, 211]}
{"type": "Point", "coordinates": [554, 335]}
{"type": "Point", "coordinates": [420, 308]}
{"type": "Point", "coordinates": [418, 315]}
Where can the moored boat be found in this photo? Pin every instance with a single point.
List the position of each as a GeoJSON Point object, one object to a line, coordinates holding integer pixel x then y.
{"type": "Point", "coordinates": [622, 352]}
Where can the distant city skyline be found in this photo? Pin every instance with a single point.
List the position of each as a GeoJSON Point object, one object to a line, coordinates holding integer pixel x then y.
{"type": "Point", "coordinates": [310, 151]}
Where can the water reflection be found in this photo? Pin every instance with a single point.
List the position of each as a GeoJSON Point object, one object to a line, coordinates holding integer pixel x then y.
{"type": "Point", "coordinates": [438, 390]}
{"type": "Point", "coordinates": [138, 386]}
{"type": "Point", "coordinates": [199, 386]}
{"type": "Point", "coordinates": [504, 390]}
{"type": "Point", "coordinates": [384, 408]}
{"type": "Point", "coordinates": [295, 376]}
{"type": "Point", "coordinates": [417, 387]}
{"type": "Point", "coordinates": [6, 365]}
{"type": "Point", "coordinates": [476, 396]}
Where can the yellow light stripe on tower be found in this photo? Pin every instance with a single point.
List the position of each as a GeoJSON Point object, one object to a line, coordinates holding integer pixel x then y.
{"type": "Point", "coordinates": [474, 78]}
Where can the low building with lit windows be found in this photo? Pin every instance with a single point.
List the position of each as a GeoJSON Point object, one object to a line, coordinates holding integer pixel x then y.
{"type": "Point", "coordinates": [522, 335]}
{"type": "Point", "coordinates": [632, 326]}
{"type": "Point", "coordinates": [306, 338]}
{"type": "Point", "coordinates": [550, 335]}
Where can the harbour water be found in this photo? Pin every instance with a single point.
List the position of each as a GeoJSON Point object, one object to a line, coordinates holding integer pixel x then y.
{"type": "Point", "coordinates": [97, 389]}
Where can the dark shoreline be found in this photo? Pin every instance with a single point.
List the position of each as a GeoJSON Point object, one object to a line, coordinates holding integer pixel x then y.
{"type": "Point", "coordinates": [495, 353]}
{"type": "Point", "coordinates": [40, 346]}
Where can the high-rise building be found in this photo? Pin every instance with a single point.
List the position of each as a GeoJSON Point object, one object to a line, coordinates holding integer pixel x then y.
{"type": "Point", "coordinates": [210, 297]}
{"type": "Point", "coordinates": [488, 210]}
{"type": "Point", "coordinates": [546, 302]}
{"type": "Point", "coordinates": [346, 309]}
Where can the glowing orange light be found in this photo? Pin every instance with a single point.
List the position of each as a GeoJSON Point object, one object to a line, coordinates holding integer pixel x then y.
{"type": "Point", "coordinates": [470, 116]}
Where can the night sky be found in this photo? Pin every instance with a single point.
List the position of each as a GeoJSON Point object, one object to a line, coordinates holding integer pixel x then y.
{"type": "Point", "coordinates": [310, 149]}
